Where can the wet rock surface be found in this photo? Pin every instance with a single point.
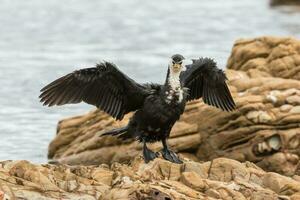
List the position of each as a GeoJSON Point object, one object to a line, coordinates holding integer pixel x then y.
{"type": "Point", "coordinates": [217, 179]}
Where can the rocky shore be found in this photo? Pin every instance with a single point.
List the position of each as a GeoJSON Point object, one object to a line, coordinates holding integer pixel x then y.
{"type": "Point", "coordinates": [220, 178]}
{"type": "Point", "coordinates": [264, 77]}
{"type": "Point", "coordinates": [251, 153]}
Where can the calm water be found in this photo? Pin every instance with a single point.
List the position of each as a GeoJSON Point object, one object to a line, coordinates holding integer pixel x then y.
{"type": "Point", "coordinates": [42, 40]}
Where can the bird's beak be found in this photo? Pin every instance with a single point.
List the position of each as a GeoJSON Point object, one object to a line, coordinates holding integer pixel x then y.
{"type": "Point", "coordinates": [177, 67]}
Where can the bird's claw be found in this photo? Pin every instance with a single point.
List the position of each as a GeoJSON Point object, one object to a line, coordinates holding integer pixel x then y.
{"type": "Point", "coordinates": [171, 156]}
{"type": "Point", "coordinates": [149, 155]}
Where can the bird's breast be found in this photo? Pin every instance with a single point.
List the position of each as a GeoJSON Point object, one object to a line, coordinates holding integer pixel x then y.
{"type": "Point", "coordinates": [174, 95]}
{"type": "Point", "coordinates": [157, 108]}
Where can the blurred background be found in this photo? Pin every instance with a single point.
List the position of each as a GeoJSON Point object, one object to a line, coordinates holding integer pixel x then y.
{"type": "Point", "coordinates": [43, 40]}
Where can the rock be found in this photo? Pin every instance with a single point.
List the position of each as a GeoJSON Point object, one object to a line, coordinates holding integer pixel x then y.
{"type": "Point", "coordinates": [217, 179]}
{"type": "Point", "coordinates": [264, 129]}
{"type": "Point", "coordinates": [284, 2]}
{"type": "Point", "coordinates": [267, 56]}
{"type": "Point", "coordinates": [78, 141]}
{"type": "Point", "coordinates": [265, 125]}
{"type": "Point", "coordinates": [267, 131]}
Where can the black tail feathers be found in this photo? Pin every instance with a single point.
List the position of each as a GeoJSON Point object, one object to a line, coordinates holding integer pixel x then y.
{"type": "Point", "coordinates": [119, 132]}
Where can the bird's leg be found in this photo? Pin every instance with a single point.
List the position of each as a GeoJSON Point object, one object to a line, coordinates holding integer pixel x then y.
{"type": "Point", "coordinates": [168, 154]}
{"type": "Point", "coordinates": [148, 154]}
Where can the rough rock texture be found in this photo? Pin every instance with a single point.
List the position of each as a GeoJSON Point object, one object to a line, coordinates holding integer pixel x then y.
{"type": "Point", "coordinates": [265, 128]}
{"type": "Point", "coordinates": [158, 180]}
{"type": "Point", "coordinates": [267, 56]}
{"type": "Point", "coordinates": [78, 141]}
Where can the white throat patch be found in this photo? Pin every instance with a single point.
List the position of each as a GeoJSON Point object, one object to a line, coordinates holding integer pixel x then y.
{"type": "Point", "coordinates": [174, 80]}
{"type": "Point", "coordinates": [174, 83]}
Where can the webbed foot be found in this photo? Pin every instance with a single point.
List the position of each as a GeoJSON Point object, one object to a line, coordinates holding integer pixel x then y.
{"type": "Point", "coordinates": [171, 156]}
{"type": "Point", "coordinates": [148, 154]}
{"type": "Point", "coordinates": [168, 154]}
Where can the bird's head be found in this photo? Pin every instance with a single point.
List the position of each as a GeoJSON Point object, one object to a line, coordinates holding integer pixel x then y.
{"type": "Point", "coordinates": [176, 63]}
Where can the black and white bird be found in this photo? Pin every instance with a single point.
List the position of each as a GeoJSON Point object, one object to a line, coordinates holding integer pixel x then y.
{"type": "Point", "coordinates": [157, 106]}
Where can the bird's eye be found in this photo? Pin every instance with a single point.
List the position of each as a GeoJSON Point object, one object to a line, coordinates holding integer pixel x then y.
{"type": "Point", "coordinates": [180, 62]}
{"type": "Point", "coordinates": [173, 62]}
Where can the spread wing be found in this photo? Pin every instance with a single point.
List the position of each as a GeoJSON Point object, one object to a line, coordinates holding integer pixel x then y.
{"type": "Point", "coordinates": [204, 79]}
{"type": "Point", "coordinates": [103, 86]}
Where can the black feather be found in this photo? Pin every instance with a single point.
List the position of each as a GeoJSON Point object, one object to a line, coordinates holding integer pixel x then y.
{"type": "Point", "coordinates": [100, 86]}
{"type": "Point", "coordinates": [211, 86]}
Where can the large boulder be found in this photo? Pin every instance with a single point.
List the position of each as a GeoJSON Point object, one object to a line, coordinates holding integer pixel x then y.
{"type": "Point", "coordinates": [267, 56]}
{"type": "Point", "coordinates": [158, 180]}
{"type": "Point", "coordinates": [264, 128]}
{"type": "Point", "coordinates": [78, 139]}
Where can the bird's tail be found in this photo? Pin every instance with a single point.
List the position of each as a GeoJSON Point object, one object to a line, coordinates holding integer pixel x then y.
{"type": "Point", "coordinates": [119, 132]}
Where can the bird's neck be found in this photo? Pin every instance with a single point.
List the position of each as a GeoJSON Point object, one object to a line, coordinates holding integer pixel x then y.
{"type": "Point", "coordinates": [173, 80]}
{"type": "Point", "coordinates": [173, 90]}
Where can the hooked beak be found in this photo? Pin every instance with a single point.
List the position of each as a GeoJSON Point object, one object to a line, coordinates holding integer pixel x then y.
{"type": "Point", "coordinates": [177, 67]}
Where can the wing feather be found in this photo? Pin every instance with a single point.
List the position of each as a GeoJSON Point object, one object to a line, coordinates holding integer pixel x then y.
{"type": "Point", "coordinates": [103, 86]}
{"type": "Point", "coordinates": [218, 101]}
{"type": "Point", "coordinates": [111, 103]}
{"type": "Point", "coordinates": [213, 97]}
{"type": "Point", "coordinates": [205, 80]}
{"type": "Point", "coordinates": [115, 107]}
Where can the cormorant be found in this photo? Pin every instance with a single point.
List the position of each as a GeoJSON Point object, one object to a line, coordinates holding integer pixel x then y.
{"type": "Point", "coordinates": [157, 106]}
